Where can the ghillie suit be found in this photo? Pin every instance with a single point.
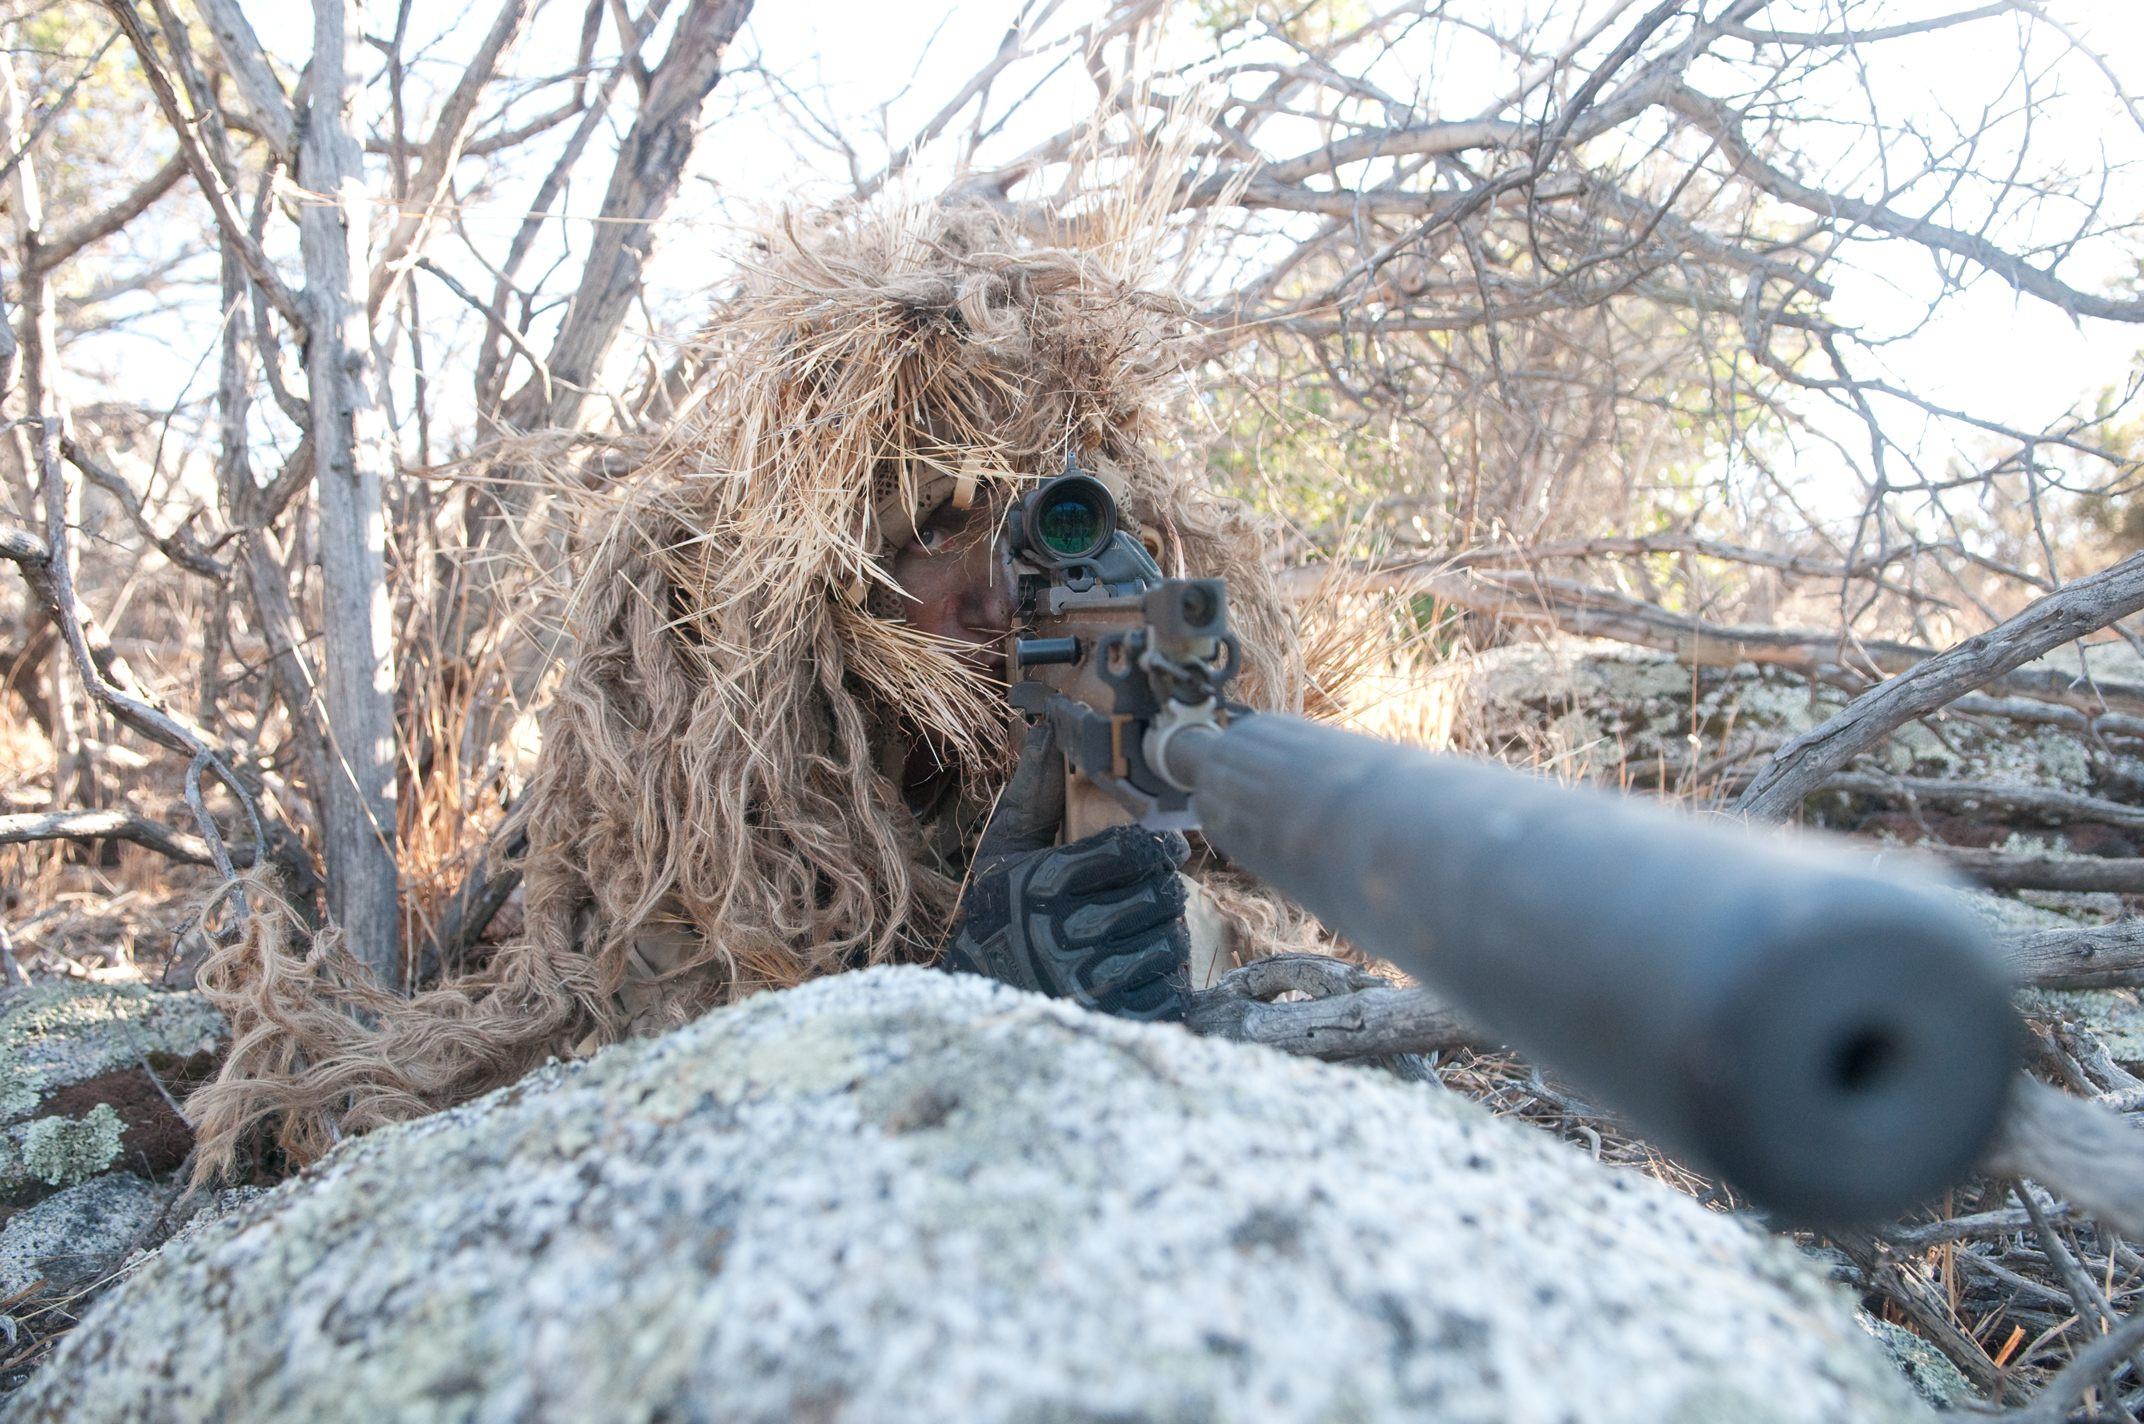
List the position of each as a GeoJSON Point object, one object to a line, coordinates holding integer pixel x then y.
{"type": "Point", "coordinates": [716, 809]}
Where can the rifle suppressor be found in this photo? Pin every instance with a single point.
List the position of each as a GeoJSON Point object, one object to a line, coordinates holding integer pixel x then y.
{"type": "Point", "coordinates": [1837, 1046]}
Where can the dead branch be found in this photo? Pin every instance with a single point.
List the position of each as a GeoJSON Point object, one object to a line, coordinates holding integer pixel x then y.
{"type": "Point", "coordinates": [1352, 1014]}
{"type": "Point", "coordinates": [2086, 1372]}
{"type": "Point", "coordinates": [1902, 1279]}
{"type": "Point", "coordinates": [69, 242]}
{"type": "Point", "coordinates": [437, 157]}
{"type": "Point", "coordinates": [105, 825]}
{"type": "Point", "coordinates": [222, 202]}
{"type": "Point", "coordinates": [2082, 607]}
{"type": "Point", "coordinates": [178, 546]}
{"type": "Point", "coordinates": [651, 164]}
{"type": "Point", "coordinates": [2098, 957]}
{"type": "Point", "coordinates": [1587, 611]}
{"type": "Point", "coordinates": [1979, 1226]}
{"type": "Point", "coordinates": [1724, 126]}
{"type": "Point", "coordinates": [266, 102]}
{"type": "Point", "coordinates": [470, 912]}
{"type": "Point", "coordinates": [2000, 870]}
{"type": "Point", "coordinates": [131, 708]}
{"type": "Point", "coordinates": [2081, 1151]}
{"type": "Point", "coordinates": [2031, 800]}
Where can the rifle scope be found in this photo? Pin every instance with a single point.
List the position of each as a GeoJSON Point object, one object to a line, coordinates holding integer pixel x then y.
{"type": "Point", "coordinates": [1068, 519]}
{"type": "Point", "coordinates": [1836, 1045]}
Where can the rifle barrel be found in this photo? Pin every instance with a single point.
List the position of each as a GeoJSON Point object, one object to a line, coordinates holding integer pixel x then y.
{"type": "Point", "coordinates": [1836, 1045]}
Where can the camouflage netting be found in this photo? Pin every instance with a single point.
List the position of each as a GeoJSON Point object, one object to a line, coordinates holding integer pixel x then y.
{"type": "Point", "coordinates": [712, 812]}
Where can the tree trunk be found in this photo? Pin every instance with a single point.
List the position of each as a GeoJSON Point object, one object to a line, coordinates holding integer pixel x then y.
{"type": "Point", "coordinates": [351, 458]}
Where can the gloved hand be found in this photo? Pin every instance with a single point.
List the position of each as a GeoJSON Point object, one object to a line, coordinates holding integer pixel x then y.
{"type": "Point", "coordinates": [1099, 921]}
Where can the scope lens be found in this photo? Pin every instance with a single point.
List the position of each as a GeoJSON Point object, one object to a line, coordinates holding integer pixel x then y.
{"type": "Point", "coordinates": [1070, 525]}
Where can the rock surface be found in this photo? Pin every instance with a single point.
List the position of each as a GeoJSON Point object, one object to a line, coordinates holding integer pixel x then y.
{"type": "Point", "coordinates": [84, 1073]}
{"type": "Point", "coordinates": [1932, 1375]}
{"type": "Point", "coordinates": [80, 1233]}
{"type": "Point", "coordinates": [898, 1194]}
{"type": "Point", "coordinates": [1619, 714]}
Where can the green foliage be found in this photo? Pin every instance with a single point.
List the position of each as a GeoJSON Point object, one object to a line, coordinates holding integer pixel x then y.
{"type": "Point", "coordinates": [107, 134]}
{"type": "Point", "coordinates": [1308, 23]}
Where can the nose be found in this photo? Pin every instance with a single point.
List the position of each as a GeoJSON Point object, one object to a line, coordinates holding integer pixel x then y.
{"type": "Point", "coordinates": [986, 604]}
{"type": "Point", "coordinates": [988, 609]}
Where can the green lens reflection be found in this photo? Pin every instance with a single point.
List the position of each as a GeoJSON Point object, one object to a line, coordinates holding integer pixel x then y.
{"type": "Point", "coordinates": [1070, 526]}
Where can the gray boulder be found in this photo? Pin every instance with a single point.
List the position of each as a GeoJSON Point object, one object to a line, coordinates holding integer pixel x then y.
{"type": "Point", "coordinates": [898, 1194]}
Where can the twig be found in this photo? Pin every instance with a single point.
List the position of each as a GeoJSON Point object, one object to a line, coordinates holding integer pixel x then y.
{"type": "Point", "coordinates": [1898, 1280]}
{"type": "Point", "coordinates": [1979, 1226]}
{"type": "Point", "coordinates": [2085, 1296]}
{"type": "Point", "coordinates": [2091, 1368]}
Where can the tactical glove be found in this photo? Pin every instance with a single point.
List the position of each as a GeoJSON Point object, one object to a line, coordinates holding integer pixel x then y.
{"type": "Point", "coordinates": [1099, 921]}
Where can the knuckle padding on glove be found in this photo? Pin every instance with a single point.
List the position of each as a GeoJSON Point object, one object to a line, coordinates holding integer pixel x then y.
{"type": "Point", "coordinates": [1099, 921]}
{"type": "Point", "coordinates": [1118, 967]}
{"type": "Point", "coordinates": [1126, 912]}
{"type": "Point", "coordinates": [1117, 858]}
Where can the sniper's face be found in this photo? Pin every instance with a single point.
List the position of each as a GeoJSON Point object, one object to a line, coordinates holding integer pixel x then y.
{"type": "Point", "coordinates": [954, 582]}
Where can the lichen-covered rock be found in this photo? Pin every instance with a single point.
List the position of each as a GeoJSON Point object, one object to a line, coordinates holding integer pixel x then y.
{"type": "Point", "coordinates": [76, 1066]}
{"type": "Point", "coordinates": [2114, 1017]}
{"type": "Point", "coordinates": [898, 1194]}
{"type": "Point", "coordinates": [1932, 1374]}
{"type": "Point", "coordinates": [80, 1232]}
{"type": "Point", "coordinates": [1625, 715]}
{"type": "Point", "coordinates": [60, 1151]}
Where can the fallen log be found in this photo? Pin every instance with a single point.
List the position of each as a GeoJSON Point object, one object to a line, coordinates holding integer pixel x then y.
{"type": "Point", "coordinates": [1981, 661]}
{"type": "Point", "coordinates": [2099, 957]}
{"type": "Point", "coordinates": [2001, 870]}
{"type": "Point", "coordinates": [2033, 800]}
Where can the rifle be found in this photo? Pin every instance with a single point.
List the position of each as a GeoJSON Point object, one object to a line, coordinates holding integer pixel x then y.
{"type": "Point", "coordinates": [1837, 1045]}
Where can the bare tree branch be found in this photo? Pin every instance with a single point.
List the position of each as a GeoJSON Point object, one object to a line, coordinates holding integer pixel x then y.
{"type": "Point", "coordinates": [2079, 1150]}
{"type": "Point", "coordinates": [651, 163]}
{"type": "Point", "coordinates": [206, 174]}
{"type": "Point", "coordinates": [267, 105]}
{"type": "Point", "coordinates": [2082, 607]}
{"type": "Point", "coordinates": [439, 154]}
{"type": "Point", "coordinates": [105, 825]}
{"type": "Point", "coordinates": [1716, 120]}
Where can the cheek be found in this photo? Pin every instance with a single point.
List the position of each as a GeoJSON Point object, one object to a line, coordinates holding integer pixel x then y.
{"type": "Point", "coordinates": [929, 605]}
